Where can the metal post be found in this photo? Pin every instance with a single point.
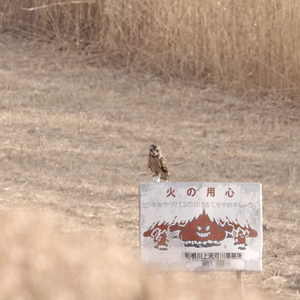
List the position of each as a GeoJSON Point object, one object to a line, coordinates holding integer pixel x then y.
{"type": "Point", "coordinates": [240, 285]}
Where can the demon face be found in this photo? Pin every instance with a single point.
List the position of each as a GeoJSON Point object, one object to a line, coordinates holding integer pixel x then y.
{"type": "Point", "coordinates": [201, 231]}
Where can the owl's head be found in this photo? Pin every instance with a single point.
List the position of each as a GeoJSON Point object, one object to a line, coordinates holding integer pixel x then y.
{"type": "Point", "coordinates": [154, 150]}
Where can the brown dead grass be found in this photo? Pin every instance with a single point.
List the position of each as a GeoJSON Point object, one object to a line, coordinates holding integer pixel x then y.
{"type": "Point", "coordinates": [37, 261]}
{"type": "Point", "coordinates": [243, 45]}
{"type": "Point", "coordinates": [74, 140]}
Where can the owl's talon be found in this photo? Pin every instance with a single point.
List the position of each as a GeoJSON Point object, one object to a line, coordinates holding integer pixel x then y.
{"type": "Point", "coordinates": [156, 178]}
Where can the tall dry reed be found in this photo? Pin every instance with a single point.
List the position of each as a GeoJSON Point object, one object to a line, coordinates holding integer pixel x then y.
{"type": "Point", "coordinates": [240, 44]}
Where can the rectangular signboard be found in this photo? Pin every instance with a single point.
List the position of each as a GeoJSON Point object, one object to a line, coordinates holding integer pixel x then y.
{"type": "Point", "coordinates": [201, 226]}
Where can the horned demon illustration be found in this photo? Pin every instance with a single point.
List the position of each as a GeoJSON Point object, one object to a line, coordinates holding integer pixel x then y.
{"type": "Point", "coordinates": [199, 232]}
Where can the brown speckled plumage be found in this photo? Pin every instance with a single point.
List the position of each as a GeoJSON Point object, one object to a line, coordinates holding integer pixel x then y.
{"type": "Point", "coordinates": [157, 163]}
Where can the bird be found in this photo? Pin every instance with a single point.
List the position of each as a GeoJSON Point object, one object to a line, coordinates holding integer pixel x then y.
{"type": "Point", "coordinates": [157, 163]}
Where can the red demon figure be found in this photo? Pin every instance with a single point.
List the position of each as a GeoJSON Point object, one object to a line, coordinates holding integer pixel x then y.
{"type": "Point", "coordinates": [201, 231]}
{"type": "Point", "coordinates": [240, 236]}
{"type": "Point", "coordinates": [159, 234]}
{"type": "Point", "coordinates": [241, 233]}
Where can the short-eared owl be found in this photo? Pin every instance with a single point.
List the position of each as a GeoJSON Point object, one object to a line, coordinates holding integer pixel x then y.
{"type": "Point", "coordinates": [157, 163]}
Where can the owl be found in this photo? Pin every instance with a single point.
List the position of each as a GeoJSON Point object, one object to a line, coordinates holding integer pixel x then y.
{"type": "Point", "coordinates": [157, 163]}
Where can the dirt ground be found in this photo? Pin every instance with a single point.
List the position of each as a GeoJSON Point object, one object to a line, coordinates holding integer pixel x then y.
{"type": "Point", "coordinates": [74, 139]}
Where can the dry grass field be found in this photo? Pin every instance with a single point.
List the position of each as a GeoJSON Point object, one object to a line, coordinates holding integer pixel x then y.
{"type": "Point", "coordinates": [74, 142]}
{"type": "Point", "coordinates": [244, 45]}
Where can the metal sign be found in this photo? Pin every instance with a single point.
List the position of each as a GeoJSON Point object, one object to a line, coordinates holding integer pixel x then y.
{"type": "Point", "coordinates": [201, 226]}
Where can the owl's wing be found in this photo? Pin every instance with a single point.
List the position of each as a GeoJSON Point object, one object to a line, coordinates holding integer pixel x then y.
{"type": "Point", "coordinates": [163, 165]}
{"type": "Point", "coordinates": [149, 164]}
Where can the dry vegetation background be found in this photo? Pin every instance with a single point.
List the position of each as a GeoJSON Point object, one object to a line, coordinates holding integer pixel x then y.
{"type": "Point", "coordinates": [242, 44]}
{"type": "Point", "coordinates": [74, 138]}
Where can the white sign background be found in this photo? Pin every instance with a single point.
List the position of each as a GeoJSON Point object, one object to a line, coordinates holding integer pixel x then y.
{"type": "Point", "coordinates": [201, 226]}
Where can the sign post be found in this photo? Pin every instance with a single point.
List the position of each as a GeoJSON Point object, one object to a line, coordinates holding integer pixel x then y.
{"type": "Point", "coordinates": [201, 226]}
{"type": "Point", "coordinates": [240, 284]}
